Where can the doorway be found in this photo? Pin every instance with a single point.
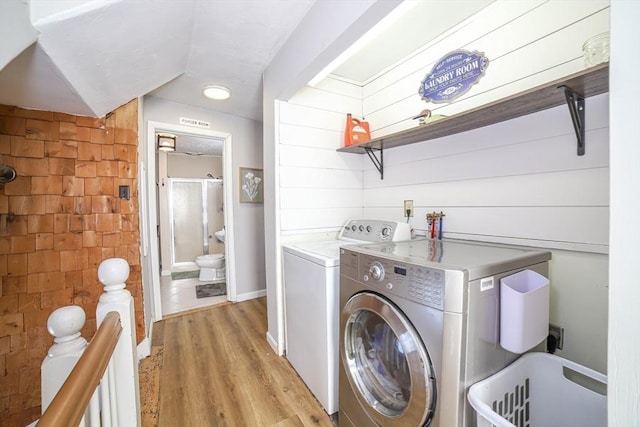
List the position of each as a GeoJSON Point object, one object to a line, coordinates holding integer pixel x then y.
{"type": "Point", "coordinates": [155, 182]}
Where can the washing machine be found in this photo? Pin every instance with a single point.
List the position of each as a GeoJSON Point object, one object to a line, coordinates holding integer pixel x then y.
{"type": "Point", "coordinates": [419, 325]}
{"type": "Point", "coordinates": [311, 303]}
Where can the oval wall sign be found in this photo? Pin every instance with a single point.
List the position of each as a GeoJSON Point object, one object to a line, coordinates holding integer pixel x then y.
{"type": "Point", "coordinates": [453, 75]}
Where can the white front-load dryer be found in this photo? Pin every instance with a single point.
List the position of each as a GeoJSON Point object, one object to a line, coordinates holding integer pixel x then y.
{"type": "Point", "coordinates": [419, 324]}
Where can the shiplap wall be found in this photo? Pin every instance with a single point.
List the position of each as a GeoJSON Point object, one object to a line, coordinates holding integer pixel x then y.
{"type": "Point", "coordinates": [528, 43]}
{"type": "Point", "coordinates": [320, 189]}
{"type": "Point", "coordinates": [518, 181]}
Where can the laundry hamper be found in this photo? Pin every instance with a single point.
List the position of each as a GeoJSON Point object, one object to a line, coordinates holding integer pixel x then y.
{"type": "Point", "coordinates": [541, 390]}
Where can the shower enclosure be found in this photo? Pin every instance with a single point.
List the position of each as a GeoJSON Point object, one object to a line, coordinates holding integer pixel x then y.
{"type": "Point", "coordinates": [196, 213]}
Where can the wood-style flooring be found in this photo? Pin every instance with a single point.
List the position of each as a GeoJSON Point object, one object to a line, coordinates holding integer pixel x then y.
{"type": "Point", "coordinates": [218, 370]}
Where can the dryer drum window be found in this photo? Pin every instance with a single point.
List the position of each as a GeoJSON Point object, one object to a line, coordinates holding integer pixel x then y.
{"type": "Point", "coordinates": [386, 363]}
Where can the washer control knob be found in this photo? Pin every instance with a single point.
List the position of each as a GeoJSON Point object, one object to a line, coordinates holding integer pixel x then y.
{"type": "Point", "coordinates": [361, 228]}
{"type": "Point", "coordinates": [376, 271]}
{"type": "Point", "coordinates": [354, 227]}
{"type": "Point", "coordinates": [389, 285]}
{"type": "Point", "coordinates": [368, 229]}
{"type": "Point", "coordinates": [386, 232]}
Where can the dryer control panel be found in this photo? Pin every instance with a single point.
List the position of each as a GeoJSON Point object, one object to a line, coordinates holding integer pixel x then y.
{"type": "Point", "coordinates": [413, 282]}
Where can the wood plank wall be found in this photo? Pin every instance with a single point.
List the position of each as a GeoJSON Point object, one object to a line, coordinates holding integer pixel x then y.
{"type": "Point", "coordinates": [517, 182]}
{"type": "Point", "coordinates": [320, 189]}
{"type": "Point", "coordinates": [528, 43]}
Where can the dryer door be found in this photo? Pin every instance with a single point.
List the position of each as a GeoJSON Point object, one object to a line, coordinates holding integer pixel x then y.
{"type": "Point", "coordinates": [386, 363]}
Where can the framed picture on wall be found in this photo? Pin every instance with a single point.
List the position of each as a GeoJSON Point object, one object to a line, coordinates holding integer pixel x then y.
{"type": "Point", "coordinates": [251, 185]}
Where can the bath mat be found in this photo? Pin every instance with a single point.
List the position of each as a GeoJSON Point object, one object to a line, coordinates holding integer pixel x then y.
{"type": "Point", "coordinates": [211, 290]}
{"type": "Point", "coordinates": [185, 274]}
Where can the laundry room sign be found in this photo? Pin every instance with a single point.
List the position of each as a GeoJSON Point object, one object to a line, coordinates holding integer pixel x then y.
{"type": "Point", "coordinates": [453, 75]}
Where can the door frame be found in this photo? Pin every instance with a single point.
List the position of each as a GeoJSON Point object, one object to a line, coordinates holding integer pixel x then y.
{"type": "Point", "coordinates": [151, 232]}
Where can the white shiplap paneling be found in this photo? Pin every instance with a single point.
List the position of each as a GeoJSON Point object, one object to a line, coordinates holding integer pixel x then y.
{"type": "Point", "coordinates": [517, 182]}
{"type": "Point", "coordinates": [548, 132]}
{"type": "Point", "coordinates": [586, 187]}
{"type": "Point", "coordinates": [320, 189]}
{"type": "Point", "coordinates": [501, 182]}
{"type": "Point", "coordinates": [291, 155]}
{"type": "Point", "coordinates": [325, 100]}
{"type": "Point", "coordinates": [304, 136]}
{"type": "Point", "coordinates": [320, 198]}
{"type": "Point", "coordinates": [477, 26]}
{"type": "Point", "coordinates": [307, 220]}
{"type": "Point", "coordinates": [519, 60]}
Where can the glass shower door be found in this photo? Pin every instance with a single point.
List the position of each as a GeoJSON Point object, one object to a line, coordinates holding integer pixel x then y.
{"type": "Point", "coordinates": [188, 226]}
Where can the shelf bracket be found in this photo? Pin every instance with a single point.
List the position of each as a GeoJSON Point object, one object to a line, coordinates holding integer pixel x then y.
{"type": "Point", "coordinates": [378, 163]}
{"type": "Point", "coordinates": [576, 105]}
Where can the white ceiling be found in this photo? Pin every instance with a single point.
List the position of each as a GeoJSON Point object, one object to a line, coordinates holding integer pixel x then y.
{"type": "Point", "coordinates": [88, 57]}
{"type": "Point", "coordinates": [92, 56]}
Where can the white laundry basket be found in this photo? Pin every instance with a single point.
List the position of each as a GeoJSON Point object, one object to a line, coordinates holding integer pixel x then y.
{"type": "Point", "coordinates": [541, 390]}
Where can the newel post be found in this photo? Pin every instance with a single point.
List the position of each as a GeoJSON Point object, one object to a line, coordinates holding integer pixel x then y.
{"type": "Point", "coordinates": [113, 273]}
{"type": "Point", "coordinates": [65, 324]}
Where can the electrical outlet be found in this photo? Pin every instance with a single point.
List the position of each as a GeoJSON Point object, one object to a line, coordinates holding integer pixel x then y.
{"type": "Point", "coordinates": [558, 332]}
{"type": "Point", "coordinates": [408, 208]}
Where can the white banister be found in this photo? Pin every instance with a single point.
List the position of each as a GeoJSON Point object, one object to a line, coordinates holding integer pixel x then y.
{"type": "Point", "coordinates": [113, 273]}
{"type": "Point", "coordinates": [107, 368]}
{"type": "Point", "coordinates": [65, 324]}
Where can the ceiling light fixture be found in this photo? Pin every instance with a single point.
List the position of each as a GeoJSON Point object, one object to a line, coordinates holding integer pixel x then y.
{"type": "Point", "coordinates": [374, 32]}
{"type": "Point", "coordinates": [219, 93]}
{"type": "Point", "coordinates": [166, 142]}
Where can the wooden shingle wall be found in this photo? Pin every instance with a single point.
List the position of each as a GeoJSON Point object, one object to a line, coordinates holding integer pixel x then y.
{"type": "Point", "coordinates": [59, 219]}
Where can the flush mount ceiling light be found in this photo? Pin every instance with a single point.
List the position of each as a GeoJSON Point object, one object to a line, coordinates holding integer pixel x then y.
{"type": "Point", "coordinates": [166, 142]}
{"type": "Point", "coordinates": [216, 92]}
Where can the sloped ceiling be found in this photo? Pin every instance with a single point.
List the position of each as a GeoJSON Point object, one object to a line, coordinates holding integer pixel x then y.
{"type": "Point", "coordinates": [16, 31]}
{"type": "Point", "coordinates": [92, 56]}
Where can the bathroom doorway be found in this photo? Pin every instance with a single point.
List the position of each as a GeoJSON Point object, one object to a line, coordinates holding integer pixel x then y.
{"type": "Point", "coordinates": [157, 243]}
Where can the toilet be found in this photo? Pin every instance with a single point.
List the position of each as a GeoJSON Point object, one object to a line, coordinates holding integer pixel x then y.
{"type": "Point", "coordinates": [211, 267]}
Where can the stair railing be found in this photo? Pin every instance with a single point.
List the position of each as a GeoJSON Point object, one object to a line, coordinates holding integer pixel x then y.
{"type": "Point", "coordinates": [96, 384]}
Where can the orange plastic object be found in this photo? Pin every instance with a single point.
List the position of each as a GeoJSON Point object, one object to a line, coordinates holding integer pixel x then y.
{"type": "Point", "coordinates": [357, 131]}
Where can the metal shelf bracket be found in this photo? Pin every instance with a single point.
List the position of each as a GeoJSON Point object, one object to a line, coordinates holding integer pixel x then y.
{"type": "Point", "coordinates": [576, 105]}
{"type": "Point", "coordinates": [378, 163]}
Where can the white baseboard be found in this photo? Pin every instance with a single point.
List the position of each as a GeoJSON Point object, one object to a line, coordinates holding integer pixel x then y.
{"type": "Point", "coordinates": [273, 343]}
{"type": "Point", "coordinates": [251, 295]}
{"type": "Point", "coordinates": [144, 348]}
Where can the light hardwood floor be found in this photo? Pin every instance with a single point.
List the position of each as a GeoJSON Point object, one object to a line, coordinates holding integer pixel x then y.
{"type": "Point", "coordinates": [219, 370]}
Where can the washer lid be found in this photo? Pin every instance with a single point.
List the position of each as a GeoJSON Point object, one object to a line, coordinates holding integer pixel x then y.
{"type": "Point", "coordinates": [325, 253]}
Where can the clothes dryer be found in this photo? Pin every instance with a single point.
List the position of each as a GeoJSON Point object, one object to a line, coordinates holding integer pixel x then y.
{"type": "Point", "coordinates": [311, 303]}
{"type": "Point", "coordinates": [419, 325]}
